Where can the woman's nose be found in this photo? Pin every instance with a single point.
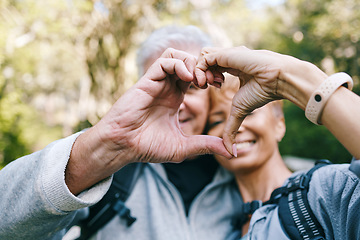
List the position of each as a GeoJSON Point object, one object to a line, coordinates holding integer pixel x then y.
{"type": "Point", "coordinates": [182, 106]}
{"type": "Point", "coordinates": [245, 124]}
{"type": "Point", "coordinates": [241, 128]}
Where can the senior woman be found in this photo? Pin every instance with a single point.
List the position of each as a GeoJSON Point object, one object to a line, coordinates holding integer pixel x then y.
{"type": "Point", "coordinates": [254, 128]}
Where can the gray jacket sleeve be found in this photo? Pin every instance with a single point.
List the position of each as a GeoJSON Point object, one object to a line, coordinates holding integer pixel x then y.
{"type": "Point", "coordinates": [334, 197]}
{"type": "Point", "coordinates": [35, 202]}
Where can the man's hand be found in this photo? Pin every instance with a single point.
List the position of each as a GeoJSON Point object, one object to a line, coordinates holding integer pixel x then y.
{"type": "Point", "coordinates": [141, 126]}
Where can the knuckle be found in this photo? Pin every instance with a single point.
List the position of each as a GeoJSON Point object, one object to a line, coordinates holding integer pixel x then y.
{"type": "Point", "coordinates": [168, 52]}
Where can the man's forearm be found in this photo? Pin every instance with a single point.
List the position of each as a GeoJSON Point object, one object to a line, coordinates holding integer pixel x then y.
{"type": "Point", "coordinates": [90, 162]}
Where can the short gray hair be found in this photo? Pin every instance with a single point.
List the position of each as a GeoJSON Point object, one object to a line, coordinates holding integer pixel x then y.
{"type": "Point", "coordinates": [170, 36]}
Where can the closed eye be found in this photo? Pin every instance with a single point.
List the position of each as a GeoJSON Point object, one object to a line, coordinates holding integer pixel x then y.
{"type": "Point", "coordinates": [214, 124]}
{"type": "Point", "coordinates": [216, 118]}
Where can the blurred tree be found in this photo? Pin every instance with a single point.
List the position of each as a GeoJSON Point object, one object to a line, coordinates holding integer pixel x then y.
{"type": "Point", "coordinates": [40, 68]}
{"type": "Point", "coordinates": [324, 32]}
{"type": "Point", "coordinates": [63, 63]}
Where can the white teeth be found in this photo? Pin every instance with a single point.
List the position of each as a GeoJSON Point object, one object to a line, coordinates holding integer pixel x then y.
{"type": "Point", "coordinates": [243, 145]}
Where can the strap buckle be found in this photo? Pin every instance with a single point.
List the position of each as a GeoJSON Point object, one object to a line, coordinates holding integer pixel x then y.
{"type": "Point", "coordinates": [124, 212]}
{"type": "Point", "coordinates": [300, 182]}
{"type": "Point", "coordinates": [251, 207]}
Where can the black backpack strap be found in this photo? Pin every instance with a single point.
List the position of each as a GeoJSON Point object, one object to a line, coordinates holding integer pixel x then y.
{"type": "Point", "coordinates": [113, 203]}
{"type": "Point", "coordinates": [295, 214]}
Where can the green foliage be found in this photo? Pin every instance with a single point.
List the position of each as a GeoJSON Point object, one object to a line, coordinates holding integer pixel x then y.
{"type": "Point", "coordinates": [21, 129]}
{"type": "Point", "coordinates": [307, 140]}
{"type": "Point", "coordinates": [37, 69]}
{"type": "Point", "coordinates": [325, 33]}
{"type": "Point", "coordinates": [64, 63]}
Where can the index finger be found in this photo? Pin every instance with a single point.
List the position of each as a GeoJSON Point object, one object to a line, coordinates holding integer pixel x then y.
{"type": "Point", "coordinates": [205, 60]}
{"type": "Point", "coordinates": [164, 66]}
{"type": "Point", "coordinates": [188, 59]}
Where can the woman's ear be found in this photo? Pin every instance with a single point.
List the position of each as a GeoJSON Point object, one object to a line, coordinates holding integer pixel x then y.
{"type": "Point", "coordinates": [280, 128]}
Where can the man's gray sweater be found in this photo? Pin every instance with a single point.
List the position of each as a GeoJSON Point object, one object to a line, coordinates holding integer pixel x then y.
{"type": "Point", "coordinates": [36, 203]}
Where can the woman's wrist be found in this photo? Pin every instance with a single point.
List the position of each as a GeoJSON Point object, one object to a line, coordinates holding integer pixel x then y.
{"type": "Point", "coordinates": [301, 79]}
{"type": "Point", "coordinates": [340, 116]}
{"type": "Point", "coordinates": [322, 94]}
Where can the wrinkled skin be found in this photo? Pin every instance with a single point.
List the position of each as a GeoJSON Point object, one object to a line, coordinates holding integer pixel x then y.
{"type": "Point", "coordinates": [264, 76]}
{"type": "Point", "coordinates": [141, 126]}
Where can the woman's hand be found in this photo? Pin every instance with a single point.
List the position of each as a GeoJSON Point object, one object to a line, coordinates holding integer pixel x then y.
{"type": "Point", "coordinates": [264, 76]}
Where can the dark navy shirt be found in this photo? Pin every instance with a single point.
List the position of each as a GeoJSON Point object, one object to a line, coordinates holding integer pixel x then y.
{"type": "Point", "coordinates": [191, 176]}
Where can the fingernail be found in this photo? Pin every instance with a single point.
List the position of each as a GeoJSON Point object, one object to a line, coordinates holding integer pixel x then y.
{"type": "Point", "coordinates": [217, 85]}
{"type": "Point", "coordinates": [234, 151]}
{"type": "Point", "coordinates": [219, 80]}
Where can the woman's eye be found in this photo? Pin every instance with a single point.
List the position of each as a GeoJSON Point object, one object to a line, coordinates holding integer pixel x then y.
{"type": "Point", "coordinates": [214, 124]}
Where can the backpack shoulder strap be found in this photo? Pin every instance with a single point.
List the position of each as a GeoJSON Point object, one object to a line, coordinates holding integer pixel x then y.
{"type": "Point", "coordinates": [295, 214]}
{"type": "Point", "coordinates": [113, 202]}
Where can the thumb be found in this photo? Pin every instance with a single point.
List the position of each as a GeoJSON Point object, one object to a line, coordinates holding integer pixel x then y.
{"type": "Point", "coordinates": [231, 129]}
{"type": "Point", "coordinates": [248, 98]}
{"type": "Point", "coordinates": [243, 103]}
{"type": "Point", "coordinates": [204, 144]}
